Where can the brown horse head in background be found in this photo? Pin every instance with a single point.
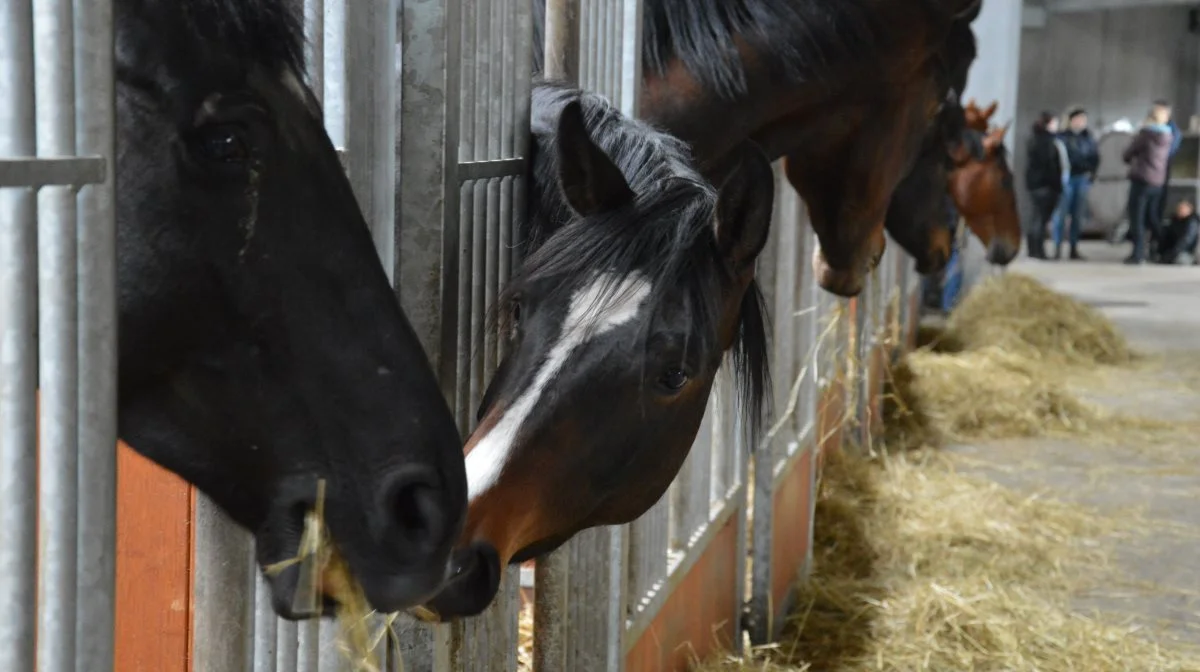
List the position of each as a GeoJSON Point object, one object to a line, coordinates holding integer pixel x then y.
{"type": "Point", "coordinates": [983, 190]}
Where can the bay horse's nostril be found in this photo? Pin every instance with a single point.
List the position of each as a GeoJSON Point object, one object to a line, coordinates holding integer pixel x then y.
{"type": "Point", "coordinates": [413, 510]}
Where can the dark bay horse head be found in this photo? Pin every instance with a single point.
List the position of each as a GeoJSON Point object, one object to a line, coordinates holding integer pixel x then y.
{"type": "Point", "coordinates": [639, 280]}
{"type": "Point", "coordinates": [983, 190]}
{"type": "Point", "coordinates": [844, 89]}
{"type": "Point", "coordinates": [261, 345]}
{"type": "Point", "coordinates": [918, 213]}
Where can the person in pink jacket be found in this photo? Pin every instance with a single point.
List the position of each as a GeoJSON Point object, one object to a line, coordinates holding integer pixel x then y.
{"type": "Point", "coordinates": [1147, 157]}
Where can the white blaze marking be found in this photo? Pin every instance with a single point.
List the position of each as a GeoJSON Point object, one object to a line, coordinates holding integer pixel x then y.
{"type": "Point", "coordinates": [594, 311]}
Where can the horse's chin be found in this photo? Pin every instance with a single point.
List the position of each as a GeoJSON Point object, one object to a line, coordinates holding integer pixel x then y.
{"type": "Point", "coordinates": [847, 282]}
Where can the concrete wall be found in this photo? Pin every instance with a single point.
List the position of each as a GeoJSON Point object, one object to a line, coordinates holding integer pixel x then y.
{"type": "Point", "coordinates": [1111, 62]}
{"type": "Point", "coordinates": [995, 72]}
{"type": "Point", "coordinates": [994, 77]}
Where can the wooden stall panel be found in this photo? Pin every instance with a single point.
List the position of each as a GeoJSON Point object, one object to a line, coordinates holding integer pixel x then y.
{"type": "Point", "coordinates": [694, 622]}
{"type": "Point", "coordinates": [154, 552]}
{"type": "Point", "coordinates": [792, 522]}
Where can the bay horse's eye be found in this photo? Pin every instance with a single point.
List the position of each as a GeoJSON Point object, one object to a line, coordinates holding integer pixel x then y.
{"type": "Point", "coordinates": [673, 380]}
{"type": "Point", "coordinates": [222, 143]}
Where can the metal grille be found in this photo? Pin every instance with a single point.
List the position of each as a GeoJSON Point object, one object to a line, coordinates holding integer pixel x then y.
{"type": "Point", "coordinates": [58, 343]}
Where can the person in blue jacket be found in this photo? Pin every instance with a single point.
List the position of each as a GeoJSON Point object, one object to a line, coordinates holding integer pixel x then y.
{"type": "Point", "coordinates": [1083, 155]}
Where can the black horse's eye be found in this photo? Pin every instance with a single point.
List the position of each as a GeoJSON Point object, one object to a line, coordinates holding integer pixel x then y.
{"type": "Point", "coordinates": [673, 380]}
{"type": "Point", "coordinates": [222, 143]}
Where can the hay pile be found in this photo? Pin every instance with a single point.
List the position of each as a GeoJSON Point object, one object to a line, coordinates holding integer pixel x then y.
{"type": "Point", "coordinates": [917, 567]}
{"type": "Point", "coordinates": [1002, 367]}
{"type": "Point", "coordinates": [1020, 315]}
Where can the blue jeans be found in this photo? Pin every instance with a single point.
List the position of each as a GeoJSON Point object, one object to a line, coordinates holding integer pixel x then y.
{"type": "Point", "coordinates": [952, 284]}
{"type": "Point", "coordinates": [1143, 216]}
{"type": "Point", "coordinates": [1074, 203]}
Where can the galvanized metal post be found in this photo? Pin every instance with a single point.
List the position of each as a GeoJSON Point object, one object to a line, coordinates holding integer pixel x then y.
{"type": "Point", "coordinates": [370, 45]}
{"type": "Point", "coordinates": [552, 572]}
{"type": "Point", "coordinates": [562, 40]}
{"type": "Point", "coordinates": [97, 481]}
{"type": "Point", "coordinates": [58, 347]}
{"type": "Point", "coordinates": [18, 347]}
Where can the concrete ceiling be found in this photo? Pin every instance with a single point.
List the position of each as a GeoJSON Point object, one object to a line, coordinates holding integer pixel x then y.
{"type": "Point", "coordinates": [1056, 6]}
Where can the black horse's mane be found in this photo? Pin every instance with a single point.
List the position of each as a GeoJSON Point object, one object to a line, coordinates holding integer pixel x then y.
{"type": "Point", "coordinates": [239, 32]}
{"type": "Point", "coordinates": [797, 39]}
{"type": "Point", "coordinates": [670, 243]}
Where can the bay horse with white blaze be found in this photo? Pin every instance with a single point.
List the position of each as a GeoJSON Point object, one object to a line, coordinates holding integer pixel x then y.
{"type": "Point", "coordinates": [638, 282]}
{"type": "Point", "coordinates": [843, 89]}
{"type": "Point", "coordinates": [261, 345]}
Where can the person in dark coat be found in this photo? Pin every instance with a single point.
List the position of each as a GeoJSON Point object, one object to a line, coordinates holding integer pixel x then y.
{"type": "Point", "coordinates": [1147, 157]}
{"type": "Point", "coordinates": [1084, 156]}
{"type": "Point", "coordinates": [1044, 180]}
{"type": "Point", "coordinates": [1179, 239]}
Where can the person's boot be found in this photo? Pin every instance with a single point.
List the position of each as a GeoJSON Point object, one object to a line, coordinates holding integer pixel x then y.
{"type": "Point", "coordinates": [1057, 251]}
{"type": "Point", "coordinates": [1075, 255]}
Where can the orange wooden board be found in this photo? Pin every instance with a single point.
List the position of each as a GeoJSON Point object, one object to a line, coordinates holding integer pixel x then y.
{"type": "Point", "coordinates": [790, 525]}
{"type": "Point", "coordinates": [697, 619]}
{"type": "Point", "coordinates": [154, 551]}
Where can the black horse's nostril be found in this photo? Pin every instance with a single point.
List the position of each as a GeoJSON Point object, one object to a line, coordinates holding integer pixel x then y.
{"type": "Point", "coordinates": [473, 581]}
{"type": "Point", "coordinates": [412, 510]}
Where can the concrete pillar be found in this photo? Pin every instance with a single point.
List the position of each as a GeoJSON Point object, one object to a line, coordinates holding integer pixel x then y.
{"type": "Point", "coordinates": [993, 77]}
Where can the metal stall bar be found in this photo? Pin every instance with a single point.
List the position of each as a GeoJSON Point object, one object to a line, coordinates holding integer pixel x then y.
{"type": "Point", "coordinates": [95, 122]}
{"type": "Point", "coordinates": [595, 573]}
{"type": "Point", "coordinates": [426, 230]}
{"type": "Point", "coordinates": [58, 347]}
{"type": "Point", "coordinates": [552, 571]}
{"type": "Point", "coordinates": [18, 347]}
{"type": "Point", "coordinates": [308, 633]}
{"type": "Point", "coordinates": [314, 56]}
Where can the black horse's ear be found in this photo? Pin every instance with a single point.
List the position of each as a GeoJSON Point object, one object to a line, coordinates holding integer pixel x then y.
{"type": "Point", "coordinates": [744, 204]}
{"type": "Point", "coordinates": [964, 9]}
{"type": "Point", "coordinates": [590, 180]}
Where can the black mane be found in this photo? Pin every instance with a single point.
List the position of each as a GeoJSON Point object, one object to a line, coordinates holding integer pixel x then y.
{"type": "Point", "coordinates": [232, 33]}
{"type": "Point", "coordinates": [797, 39]}
{"type": "Point", "coordinates": [676, 252]}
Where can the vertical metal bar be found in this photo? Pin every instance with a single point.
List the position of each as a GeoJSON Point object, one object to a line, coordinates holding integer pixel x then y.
{"type": "Point", "coordinates": [58, 348]}
{"type": "Point", "coordinates": [331, 659]}
{"type": "Point", "coordinates": [264, 625]}
{"type": "Point", "coordinates": [370, 41]}
{"type": "Point", "coordinates": [314, 32]}
{"type": "Point", "coordinates": [18, 347]}
{"type": "Point", "coordinates": [551, 597]}
{"type": "Point", "coordinates": [96, 136]}
{"type": "Point", "coordinates": [334, 85]}
{"type": "Point", "coordinates": [562, 40]}
{"type": "Point", "coordinates": [285, 646]}
{"type": "Point", "coordinates": [223, 592]}
{"type": "Point", "coordinates": [479, 220]}
{"type": "Point", "coordinates": [495, 130]}
{"type": "Point", "coordinates": [308, 655]}
{"type": "Point", "coordinates": [466, 229]}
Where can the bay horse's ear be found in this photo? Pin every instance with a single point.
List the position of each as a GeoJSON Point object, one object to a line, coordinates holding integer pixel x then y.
{"type": "Point", "coordinates": [987, 112]}
{"type": "Point", "coordinates": [744, 203]}
{"type": "Point", "coordinates": [995, 138]}
{"type": "Point", "coordinates": [591, 182]}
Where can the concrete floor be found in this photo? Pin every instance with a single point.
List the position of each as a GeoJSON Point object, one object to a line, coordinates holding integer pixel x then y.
{"type": "Point", "coordinates": [1158, 308]}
